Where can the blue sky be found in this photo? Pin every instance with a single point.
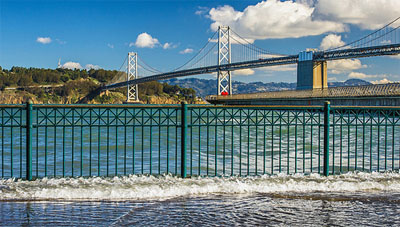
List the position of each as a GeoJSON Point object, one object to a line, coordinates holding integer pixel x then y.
{"type": "Point", "coordinates": [100, 33]}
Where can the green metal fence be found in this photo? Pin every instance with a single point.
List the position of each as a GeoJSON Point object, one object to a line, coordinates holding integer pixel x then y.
{"type": "Point", "coordinates": [108, 140]}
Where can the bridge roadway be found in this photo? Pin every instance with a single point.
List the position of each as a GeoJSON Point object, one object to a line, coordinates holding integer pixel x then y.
{"type": "Point", "coordinates": [391, 49]}
{"type": "Point", "coordinates": [367, 95]}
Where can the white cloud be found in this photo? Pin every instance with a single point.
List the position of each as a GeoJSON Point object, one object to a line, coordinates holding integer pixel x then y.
{"type": "Point", "coordinates": [280, 68]}
{"type": "Point", "coordinates": [331, 41]}
{"type": "Point", "coordinates": [332, 79]}
{"type": "Point", "coordinates": [234, 39]}
{"type": "Point", "coordinates": [395, 56]}
{"type": "Point", "coordinates": [110, 45]}
{"type": "Point", "coordinates": [186, 51]}
{"type": "Point", "coordinates": [273, 19]}
{"type": "Point", "coordinates": [61, 41]}
{"type": "Point", "coordinates": [366, 14]}
{"type": "Point", "coordinates": [91, 66]}
{"type": "Point", "coordinates": [43, 40]}
{"type": "Point", "coordinates": [265, 56]}
{"type": "Point", "coordinates": [243, 72]}
{"type": "Point", "coordinates": [169, 46]}
{"type": "Point", "coordinates": [383, 81]}
{"type": "Point", "coordinates": [292, 19]}
{"type": "Point", "coordinates": [201, 10]}
{"type": "Point", "coordinates": [386, 42]}
{"type": "Point", "coordinates": [358, 75]}
{"type": "Point", "coordinates": [344, 65]}
{"type": "Point", "coordinates": [145, 40]}
{"type": "Point", "coordinates": [77, 65]}
{"type": "Point", "coordinates": [166, 46]}
{"type": "Point", "coordinates": [71, 65]}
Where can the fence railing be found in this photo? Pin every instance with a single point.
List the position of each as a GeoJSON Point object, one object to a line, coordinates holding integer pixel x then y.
{"type": "Point", "coordinates": [197, 140]}
{"type": "Point", "coordinates": [375, 90]}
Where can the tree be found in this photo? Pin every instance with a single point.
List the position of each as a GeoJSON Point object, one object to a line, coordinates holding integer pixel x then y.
{"type": "Point", "coordinates": [25, 80]}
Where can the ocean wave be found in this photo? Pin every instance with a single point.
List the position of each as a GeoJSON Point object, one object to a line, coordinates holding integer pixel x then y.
{"type": "Point", "coordinates": [136, 187]}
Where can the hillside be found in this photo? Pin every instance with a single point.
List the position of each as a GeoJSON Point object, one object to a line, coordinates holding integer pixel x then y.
{"type": "Point", "coordinates": [205, 87]}
{"type": "Point", "coordinates": [65, 86]}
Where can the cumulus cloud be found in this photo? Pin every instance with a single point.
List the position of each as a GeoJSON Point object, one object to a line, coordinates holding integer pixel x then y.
{"type": "Point", "coordinates": [264, 20]}
{"type": "Point", "coordinates": [91, 66]}
{"type": "Point", "coordinates": [62, 42]}
{"type": "Point", "coordinates": [243, 72]}
{"type": "Point", "coordinates": [358, 75]}
{"type": "Point", "coordinates": [293, 19]}
{"type": "Point", "coordinates": [332, 79]}
{"type": "Point", "coordinates": [264, 56]}
{"type": "Point", "coordinates": [201, 10]}
{"type": "Point", "coordinates": [331, 41]}
{"type": "Point", "coordinates": [71, 65]}
{"type": "Point", "coordinates": [234, 39]}
{"type": "Point", "coordinates": [383, 81]}
{"type": "Point", "coordinates": [395, 56]}
{"type": "Point", "coordinates": [344, 65]}
{"type": "Point", "coordinates": [169, 46]}
{"type": "Point", "coordinates": [186, 51]}
{"type": "Point", "coordinates": [110, 45]}
{"type": "Point", "coordinates": [365, 14]}
{"type": "Point", "coordinates": [280, 68]}
{"type": "Point", "coordinates": [77, 65]}
{"type": "Point", "coordinates": [386, 42]}
{"type": "Point", "coordinates": [43, 40]}
{"type": "Point", "coordinates": [145, 40]}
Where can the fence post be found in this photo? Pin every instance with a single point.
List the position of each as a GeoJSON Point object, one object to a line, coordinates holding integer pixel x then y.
{"type": "Point", "coordinates": [183, 138]}
{"type": "Point", "coordinates": [29, 140]}
{"type": "Point", "coordinates": [327, 108]}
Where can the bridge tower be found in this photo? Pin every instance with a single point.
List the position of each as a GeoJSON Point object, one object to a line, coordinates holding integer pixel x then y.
{"type": "Point", "coordinates": [132, 73]}
{"type": "Point", "coordinates": [224, 57]}
{"type": "Point", "coordinates": [311, 74]}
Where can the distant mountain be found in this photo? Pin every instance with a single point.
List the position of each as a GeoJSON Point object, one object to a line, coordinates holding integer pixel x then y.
{"type": "Point", "coordinates": [205, 87]}
{"type": "Point", "coordinates": [349, 82]}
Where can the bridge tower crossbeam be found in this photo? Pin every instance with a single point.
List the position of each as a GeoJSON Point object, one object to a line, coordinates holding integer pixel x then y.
{"type": "Point", "coordinates": [132, 74]}
{"type": "Point", "coordinates": [224, 57]}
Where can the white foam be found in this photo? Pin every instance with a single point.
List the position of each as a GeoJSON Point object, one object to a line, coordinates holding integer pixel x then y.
{"type": "Point", "coordinates": [164, 187]}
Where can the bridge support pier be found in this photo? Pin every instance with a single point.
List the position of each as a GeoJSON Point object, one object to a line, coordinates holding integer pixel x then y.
{"type": "Point", "coordinates": [311, 74]}
{"type": "Point", "coordinates": [224, 57]}
{"type": "Point", "coordinates": [132, 73]}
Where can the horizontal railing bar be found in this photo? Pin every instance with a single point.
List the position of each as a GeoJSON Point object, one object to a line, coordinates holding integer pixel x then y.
{"type": "Point", "coordinates": [205, 125]}
{"type": "Point", "coordinates": [19, 106]}
{"type": "Point", "coordinates": [277, 107]}
{"type": "Point", "coordinates": [94, 126]}
{"type": "Point", "coordinates": [107, 106]}
{"type": "Point", "coordinates": [259, 125]}
{"type": "Point", "coordinates": [365, 107]}
{"type": "Point", "coordinates": [191, 106]}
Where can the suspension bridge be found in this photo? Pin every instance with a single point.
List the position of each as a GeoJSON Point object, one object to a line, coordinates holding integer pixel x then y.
{"type": "Point", "coordinates": [227, 51]}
